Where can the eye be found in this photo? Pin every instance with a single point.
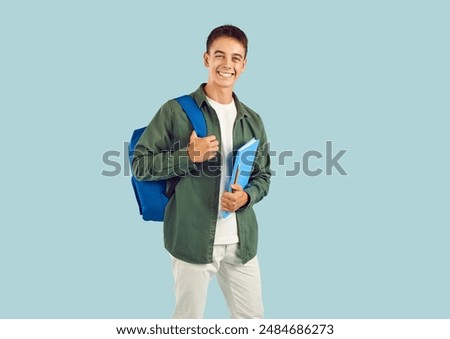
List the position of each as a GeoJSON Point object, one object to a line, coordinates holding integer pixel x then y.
{"type": "Point", "coordinates": [236, 59]}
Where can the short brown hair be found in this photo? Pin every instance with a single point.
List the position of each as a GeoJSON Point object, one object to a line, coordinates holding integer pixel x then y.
{"type": "Point", "coordinates": [227, 31]}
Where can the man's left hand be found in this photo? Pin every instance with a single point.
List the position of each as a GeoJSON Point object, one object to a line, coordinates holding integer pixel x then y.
{"type": "Point", "coordinates": [232, 201]}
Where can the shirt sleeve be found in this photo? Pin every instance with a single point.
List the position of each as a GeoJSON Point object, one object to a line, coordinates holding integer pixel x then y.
{"type": "Point", "coordinates": [157, 156]}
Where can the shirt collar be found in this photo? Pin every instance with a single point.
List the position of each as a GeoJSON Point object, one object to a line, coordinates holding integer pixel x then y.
{"type": "Point", "coordinates": [200, 99]}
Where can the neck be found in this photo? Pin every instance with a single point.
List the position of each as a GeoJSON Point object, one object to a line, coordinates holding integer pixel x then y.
{"type": "Point", "coordinates": [221, 95]}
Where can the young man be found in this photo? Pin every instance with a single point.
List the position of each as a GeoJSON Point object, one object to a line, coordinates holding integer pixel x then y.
{"type": "Point", "coordinates": [201, 243]}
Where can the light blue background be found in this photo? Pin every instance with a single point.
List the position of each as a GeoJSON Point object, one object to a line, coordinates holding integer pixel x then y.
{"type": "Point", "coordinates": [78, 76]}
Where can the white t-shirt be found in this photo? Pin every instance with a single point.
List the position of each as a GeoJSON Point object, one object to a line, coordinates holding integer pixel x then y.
{"type": "Point", "coordinates": [226, 228]}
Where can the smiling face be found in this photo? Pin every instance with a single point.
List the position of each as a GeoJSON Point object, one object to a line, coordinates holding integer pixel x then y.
{"type": "Point", "coordinates": [225, 61]}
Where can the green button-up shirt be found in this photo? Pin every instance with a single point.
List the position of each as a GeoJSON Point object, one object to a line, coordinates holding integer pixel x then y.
{"type": "Point", "coordinates": [191, 213]}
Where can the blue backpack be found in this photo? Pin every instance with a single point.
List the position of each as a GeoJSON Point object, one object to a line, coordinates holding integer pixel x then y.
{"type": "Point", "coordinates": [151, 195]}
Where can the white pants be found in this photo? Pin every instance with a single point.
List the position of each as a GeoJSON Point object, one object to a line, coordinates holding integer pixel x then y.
{"type": "Point", "coordinates": [240, 284]}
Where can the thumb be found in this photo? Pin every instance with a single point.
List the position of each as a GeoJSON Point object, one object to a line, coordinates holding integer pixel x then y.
{"type": "Point", "coordinates": [193, 136]}
{"type": "Point", "coordinates": [236, 187]}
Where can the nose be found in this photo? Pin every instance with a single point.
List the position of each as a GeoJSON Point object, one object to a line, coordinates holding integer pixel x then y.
{"type": "Point", "coordinates": [227, 63]}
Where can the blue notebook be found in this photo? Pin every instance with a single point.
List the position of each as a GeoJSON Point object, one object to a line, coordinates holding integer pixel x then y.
{"type": "Point", "coordinates": [243, 166]}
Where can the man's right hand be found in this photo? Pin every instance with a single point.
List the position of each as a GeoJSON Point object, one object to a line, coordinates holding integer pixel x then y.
{"type": "Point", "coordinates": [202, 149]}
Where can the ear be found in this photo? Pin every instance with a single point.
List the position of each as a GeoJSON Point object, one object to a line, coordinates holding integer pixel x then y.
{"type": "Point", "coordinates": [206, 59]}
{"type": "Point", "coordinates": [244, 64]}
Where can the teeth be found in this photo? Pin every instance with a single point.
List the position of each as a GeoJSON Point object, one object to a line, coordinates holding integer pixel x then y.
{"type": "Point", "coordinates": [228, 75]}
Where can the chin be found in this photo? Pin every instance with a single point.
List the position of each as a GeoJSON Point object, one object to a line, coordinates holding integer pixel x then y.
{"type": "Point", "coordinates": [226, 82]}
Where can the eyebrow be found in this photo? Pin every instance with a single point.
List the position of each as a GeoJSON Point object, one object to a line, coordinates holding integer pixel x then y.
{"type": "Point", "coordinates": [234, 54]}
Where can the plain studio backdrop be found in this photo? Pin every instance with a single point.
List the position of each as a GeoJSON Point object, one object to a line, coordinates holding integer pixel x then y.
{"type": "Point", "coordinates": [77, 77]}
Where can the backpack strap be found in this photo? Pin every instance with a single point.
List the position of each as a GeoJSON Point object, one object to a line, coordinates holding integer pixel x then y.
{"type": "Point", "coordinates": [194, 114]}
